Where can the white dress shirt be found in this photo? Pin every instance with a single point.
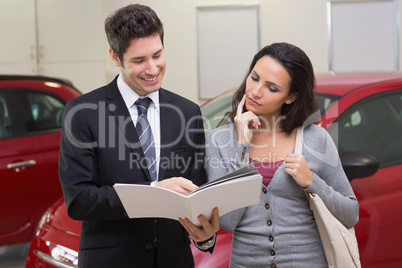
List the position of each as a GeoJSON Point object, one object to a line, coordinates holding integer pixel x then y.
{"type": "Point", "coordinates": [153, 114]}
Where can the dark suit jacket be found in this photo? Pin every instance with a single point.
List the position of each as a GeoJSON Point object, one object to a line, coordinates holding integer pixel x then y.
{"type": "Point", "coordinates": [99, 148]}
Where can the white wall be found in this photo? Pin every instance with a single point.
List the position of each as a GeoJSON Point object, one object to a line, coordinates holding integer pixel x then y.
{"type": "Point", "coordinates": [303, 23]}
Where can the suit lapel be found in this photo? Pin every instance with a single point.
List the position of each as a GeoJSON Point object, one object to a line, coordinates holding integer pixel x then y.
{"type": "Point", "coordinates": [127, 133]}
{"type": "Point", "coordinates": [167, 119]}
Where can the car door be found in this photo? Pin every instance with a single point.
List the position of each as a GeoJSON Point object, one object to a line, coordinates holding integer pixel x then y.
{"type": "Point", "coordinates": [30, 124]}
{"type": "Point", "coordinates": [374, 126]}
{"type": "Point", "coordinates": [19, 173]}
{"type": "Point", "coordinates": [43, 112]}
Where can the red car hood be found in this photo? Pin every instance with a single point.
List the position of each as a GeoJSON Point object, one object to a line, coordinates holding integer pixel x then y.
{"type": "Point", "coordinates": [59, 219]}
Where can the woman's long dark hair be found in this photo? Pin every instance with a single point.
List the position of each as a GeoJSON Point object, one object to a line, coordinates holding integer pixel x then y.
{"type": "Point", "coordinates": [302, 84]}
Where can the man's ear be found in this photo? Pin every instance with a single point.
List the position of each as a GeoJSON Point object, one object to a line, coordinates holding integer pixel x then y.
{"type": "Point", "coordinates": [291, 98]}
{"type": "Point", "coordinates": [115, 58]}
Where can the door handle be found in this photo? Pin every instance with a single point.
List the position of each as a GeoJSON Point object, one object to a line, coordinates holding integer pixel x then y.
{"type": "Point", "coordinates": [22, 164]}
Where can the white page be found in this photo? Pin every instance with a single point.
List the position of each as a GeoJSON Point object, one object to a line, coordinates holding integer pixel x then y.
{"type": "Point", "coordinates": [226, 196]}
{"type": "Point", "coordinates": [143, 201]}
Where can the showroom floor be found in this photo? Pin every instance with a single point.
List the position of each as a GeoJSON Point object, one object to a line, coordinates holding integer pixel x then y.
{"type": "Point", "coordinates": [13, 256]}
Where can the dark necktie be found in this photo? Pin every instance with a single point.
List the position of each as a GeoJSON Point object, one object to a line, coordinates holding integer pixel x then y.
{"type": "Point", "coordinates": [145, 135]}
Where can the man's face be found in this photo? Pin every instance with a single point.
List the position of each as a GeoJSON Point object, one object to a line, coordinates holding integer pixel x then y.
{"type": "Point", "coordinates": [143, 64]}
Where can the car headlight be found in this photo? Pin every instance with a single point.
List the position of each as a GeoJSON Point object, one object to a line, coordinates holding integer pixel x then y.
{"type": "Point", "coordinates": [60, 257]}
{"type": "Point", "coordinates": [45, 219]}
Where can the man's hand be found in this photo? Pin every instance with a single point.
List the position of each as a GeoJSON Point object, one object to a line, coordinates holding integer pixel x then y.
{"type": "Point", "coordinates": [206, 231]}
{"type": "Point", "coordinates": [177, 184]}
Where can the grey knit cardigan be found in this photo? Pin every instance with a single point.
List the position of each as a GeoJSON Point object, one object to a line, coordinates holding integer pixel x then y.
{"type": "Point", "coordinates": [280, 231]}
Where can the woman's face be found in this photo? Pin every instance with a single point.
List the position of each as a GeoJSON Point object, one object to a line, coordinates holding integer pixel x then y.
{"type": "Point", "coordinates": [267, 88]}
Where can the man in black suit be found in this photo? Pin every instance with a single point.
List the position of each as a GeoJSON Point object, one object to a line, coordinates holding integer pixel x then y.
{"type": "Point", "coordinates": [100, 147]}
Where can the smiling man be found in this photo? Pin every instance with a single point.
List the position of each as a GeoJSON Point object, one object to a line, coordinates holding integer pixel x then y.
{"type": "Point", "coordinates": [143, 64]}
{"type": "Point", "coordinates": [125, 132]}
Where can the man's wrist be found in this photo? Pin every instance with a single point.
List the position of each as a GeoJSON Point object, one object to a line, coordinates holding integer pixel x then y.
{"type": "Point", "coordinates": [204, 245]}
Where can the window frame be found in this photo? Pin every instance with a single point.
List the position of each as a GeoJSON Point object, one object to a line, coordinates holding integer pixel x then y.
{"type": "Point", "coordinates": [354, 107]}
{"type": "Point", "coordinates": [18, 105]}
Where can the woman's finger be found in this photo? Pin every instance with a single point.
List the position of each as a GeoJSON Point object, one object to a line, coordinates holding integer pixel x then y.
{"type": "Point", "coordinates": [240, 106]}
{"type": "Point", "coordinates": [290, 158]}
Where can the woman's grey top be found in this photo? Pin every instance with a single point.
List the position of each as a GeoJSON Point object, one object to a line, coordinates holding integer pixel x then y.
{"type": "Point", "coordinates": [281, 229]}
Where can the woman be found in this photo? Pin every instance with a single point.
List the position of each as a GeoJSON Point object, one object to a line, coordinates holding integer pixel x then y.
{"type": "Point", "coordinates": [272, 102]}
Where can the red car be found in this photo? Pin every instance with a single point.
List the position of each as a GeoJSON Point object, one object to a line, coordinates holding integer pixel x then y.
{"type": "Point", "coordinates": [363, 114]}
{"type": "Point", "coordinates": [31, 109]}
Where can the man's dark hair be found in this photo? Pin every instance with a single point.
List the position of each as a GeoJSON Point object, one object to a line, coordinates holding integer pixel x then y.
{"type": "Point", "coordinates": [131, 22]}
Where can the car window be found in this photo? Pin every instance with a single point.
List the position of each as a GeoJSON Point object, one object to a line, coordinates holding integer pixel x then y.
{"type": "Point", "coordinates": [325, 101]}
{"type": "Point", "coordinates": [6, 129]}
{"type": "Point", "coordinates": [374, 127]}
{"type": "Point", "coordinates": [46, 111]}
{"type": "Point", "coordinates": [215, 110]}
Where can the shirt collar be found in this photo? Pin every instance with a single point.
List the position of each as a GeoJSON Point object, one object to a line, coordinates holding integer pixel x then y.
{"type": "Point", "coordinates": [130, 96]}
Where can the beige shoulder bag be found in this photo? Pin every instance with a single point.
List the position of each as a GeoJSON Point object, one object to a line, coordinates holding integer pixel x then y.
{"type": "Point", "coordinates": [340, 243]}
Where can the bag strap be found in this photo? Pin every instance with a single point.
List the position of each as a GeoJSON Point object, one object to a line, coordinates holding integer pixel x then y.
{"type": "Point", "coordinates": [299, 140]}
{"type": "Point", "coordinates": [298, 150]}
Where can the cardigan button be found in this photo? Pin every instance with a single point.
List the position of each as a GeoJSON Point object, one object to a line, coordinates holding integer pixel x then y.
{"type": "Point", "coordinates": [269, 222]}
{"type": "Point", "coordinates": [273, 265]}
{"type": "Point", "coordinates": [272, 252]}
{"type": "Point", "coordinates": [266, 205]}
{"type": "Point", "coordinates": [264, 190]}
{"type": "Point", "coordinates": [271, 238]}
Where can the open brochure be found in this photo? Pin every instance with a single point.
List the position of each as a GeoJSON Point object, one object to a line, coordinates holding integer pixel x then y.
{"type": "Point", "coordinates": [235, 190]}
